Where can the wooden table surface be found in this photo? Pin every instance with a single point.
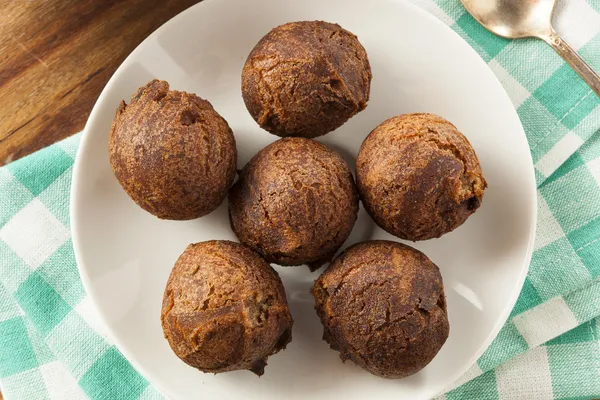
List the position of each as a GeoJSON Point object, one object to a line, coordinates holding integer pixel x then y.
{"type": "Point", "coordinates": [55, 58]}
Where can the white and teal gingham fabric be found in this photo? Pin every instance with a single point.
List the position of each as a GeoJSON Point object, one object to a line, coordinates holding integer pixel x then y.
{"type": "Point", "coordinates": [53, 347]}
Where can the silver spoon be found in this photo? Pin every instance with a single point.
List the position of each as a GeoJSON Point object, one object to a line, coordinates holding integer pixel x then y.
{"type": "Point", "coordinates": [514, 19]}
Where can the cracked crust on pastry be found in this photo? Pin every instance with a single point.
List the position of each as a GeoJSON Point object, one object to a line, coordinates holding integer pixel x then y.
{"type": "Point", "coordinates": [418, 176]}
{"type": "Point", "coordinates": [306, 79]}
{"type": "Point", "coordinates": [294, 203]}
{"type": "Point", "coordinates": [172, 153]}
{"type": "Point", "coordinates": [382, 305]}
{"type": "Point", "coordinates": [224, 308]}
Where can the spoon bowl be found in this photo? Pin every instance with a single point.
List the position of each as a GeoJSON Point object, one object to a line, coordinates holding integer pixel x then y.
{"type": "Point", "coordinates": [514, 19]}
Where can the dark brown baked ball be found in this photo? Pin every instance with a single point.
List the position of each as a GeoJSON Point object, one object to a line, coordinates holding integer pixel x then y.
{"type": "Point", "coordinates": [418, 176]}
{"type": "Point", "coordinates": [294, 203]}
{"type": "Point", "coordinates": [224, 308]}
{"type": "Point", "coordinates": [172, 152]}
{"type": "Point", "coordinates": [382, 306]}
{"type": "Point", "coordinates": [306, 79]}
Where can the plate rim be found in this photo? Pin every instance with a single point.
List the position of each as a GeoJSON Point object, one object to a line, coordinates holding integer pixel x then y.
{"type": "Point", "coordinates": [84, 143]}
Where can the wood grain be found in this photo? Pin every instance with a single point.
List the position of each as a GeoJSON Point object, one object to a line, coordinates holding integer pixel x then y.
{"type": "Point", "coordinates": [55, 58]}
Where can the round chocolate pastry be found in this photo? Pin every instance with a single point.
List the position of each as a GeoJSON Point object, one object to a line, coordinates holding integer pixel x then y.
{"type": "Point", "coordinates": [382, 306]}
{"type": "Point", "coordinates": [172, 152]}
{"type": "Point", "coordinates": [306, 79]}
{"type": "Point", "coordinates": [418, 176]}
{"type": "Point", "coordinates": [224, 308]}
{"type": "Point", "coordinates": [294, 203]}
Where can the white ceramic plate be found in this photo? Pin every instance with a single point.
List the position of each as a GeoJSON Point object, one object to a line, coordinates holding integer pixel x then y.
{"type": "Point", "coordinates": [125, 254]}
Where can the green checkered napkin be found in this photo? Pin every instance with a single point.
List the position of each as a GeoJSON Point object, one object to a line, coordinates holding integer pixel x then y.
{"type": "Point", "coordinates": [52, 347]}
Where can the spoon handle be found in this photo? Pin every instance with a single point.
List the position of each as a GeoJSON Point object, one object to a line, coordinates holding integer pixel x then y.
{"type": "Point", "coordinates": [574, 60]}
